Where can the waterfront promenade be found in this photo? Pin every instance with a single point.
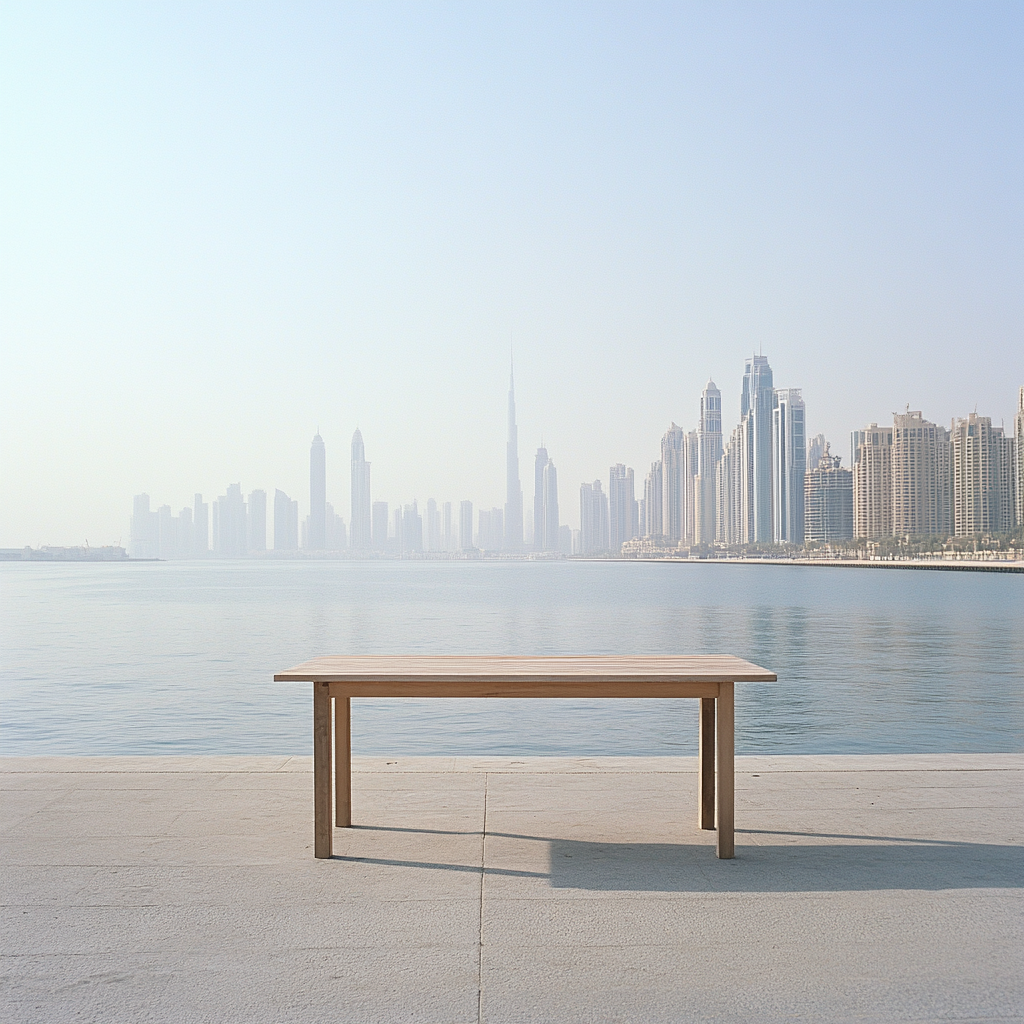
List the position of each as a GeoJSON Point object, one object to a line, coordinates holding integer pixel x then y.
{"type": "Point", "coordinates": [880, 888]}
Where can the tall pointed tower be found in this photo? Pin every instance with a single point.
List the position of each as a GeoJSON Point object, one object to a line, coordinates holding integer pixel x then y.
{"type": "Point", "coordinates": [756, 413]}
{"type": "Point", "coordinates": [709, 454]}
{"type": "Point", "coordinates": [513, 488]}
{"type": "Point", "coordinates": [359, 536]}
{"type": "Point", "coordinates": [317, 539]}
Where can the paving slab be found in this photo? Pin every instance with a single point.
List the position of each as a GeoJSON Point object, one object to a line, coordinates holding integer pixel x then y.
{"type": "Point", "coordinates": [170, 889]}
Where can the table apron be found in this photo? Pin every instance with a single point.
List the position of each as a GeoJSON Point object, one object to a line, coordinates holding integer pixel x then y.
{"type": "Point", "coordinates": [611, 689]}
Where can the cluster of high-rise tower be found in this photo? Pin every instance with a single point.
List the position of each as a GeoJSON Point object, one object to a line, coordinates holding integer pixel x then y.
{"type": "Point", "coordinates": [767, 483]}
{"type": "Point", "coordinates": [771, 484]}
{"type": "Point", "coordinates": [706, 489]}
{"type": "Point", "coordinates": [916, 478]}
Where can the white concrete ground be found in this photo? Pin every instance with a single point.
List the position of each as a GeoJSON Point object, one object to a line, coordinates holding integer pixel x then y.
{"type": "Point", "coordinates": [543, 890]}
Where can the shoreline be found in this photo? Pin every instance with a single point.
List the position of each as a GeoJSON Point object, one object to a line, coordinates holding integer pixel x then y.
{"type": "Point", "coordinates": [837, 563]}
{"type": "Point", "coordinates": [945, 565]}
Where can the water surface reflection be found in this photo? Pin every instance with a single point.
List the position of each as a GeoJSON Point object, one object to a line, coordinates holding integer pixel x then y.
{"type": "Point", "coordinates": [178, 657]}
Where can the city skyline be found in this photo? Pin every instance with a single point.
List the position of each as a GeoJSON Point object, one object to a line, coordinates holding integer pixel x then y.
{"type": "Point", "coordinates": [338, 487]}
{"type": "Point", "coordinates": [914, 478]}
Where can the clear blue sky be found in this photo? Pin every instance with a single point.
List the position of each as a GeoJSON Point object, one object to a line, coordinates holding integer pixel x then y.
{"type": "Point", "coordinates": [222, 226]}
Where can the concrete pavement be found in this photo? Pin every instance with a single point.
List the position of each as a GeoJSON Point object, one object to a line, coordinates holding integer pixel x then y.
{"type": "Point", "coordinates": [877, 888]}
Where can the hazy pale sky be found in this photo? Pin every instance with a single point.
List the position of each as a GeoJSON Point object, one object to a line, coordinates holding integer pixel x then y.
{"type": "Point", "coordinates": [222, 226]}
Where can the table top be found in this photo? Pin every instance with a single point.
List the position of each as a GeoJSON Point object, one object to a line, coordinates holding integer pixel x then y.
{"type": "Point", "coordinates": [412, 669]}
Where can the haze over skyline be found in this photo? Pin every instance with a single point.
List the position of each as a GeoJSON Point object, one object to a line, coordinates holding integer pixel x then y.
{"type": "Point", "coordinates": [226, 229]}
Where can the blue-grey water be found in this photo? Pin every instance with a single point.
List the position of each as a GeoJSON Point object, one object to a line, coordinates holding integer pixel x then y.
{"type": "Point", "coordinates": [141, 658]}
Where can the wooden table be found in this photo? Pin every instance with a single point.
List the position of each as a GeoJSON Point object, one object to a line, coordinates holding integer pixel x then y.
{"type": "Point", "coordinates": [709, 678]}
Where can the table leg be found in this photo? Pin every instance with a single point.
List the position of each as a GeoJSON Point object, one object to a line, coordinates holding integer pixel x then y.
{"type": "Point", "coordinates": [343, 761]}
{"type": "Point", "coordinates": [726, 771]}
{"type": "Point", "coordinates": [706, 764]}
{"type": "Point", "coordinates": [322, 831]}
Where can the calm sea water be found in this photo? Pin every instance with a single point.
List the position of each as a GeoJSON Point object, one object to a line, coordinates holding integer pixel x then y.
{"type": "Point", "coordinates": [178, 657]}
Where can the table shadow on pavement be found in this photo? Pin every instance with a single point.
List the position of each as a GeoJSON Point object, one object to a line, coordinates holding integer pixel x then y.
{"type": "Point", "coordinates": [836, 863]}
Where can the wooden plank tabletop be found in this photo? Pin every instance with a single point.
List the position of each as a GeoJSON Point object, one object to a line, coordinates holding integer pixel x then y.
{"type": "Point", "coordinates": [413, 669]}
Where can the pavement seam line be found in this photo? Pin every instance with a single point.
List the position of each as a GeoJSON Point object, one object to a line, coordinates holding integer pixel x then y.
{"type": "Point", "coordinates": [480, 924]}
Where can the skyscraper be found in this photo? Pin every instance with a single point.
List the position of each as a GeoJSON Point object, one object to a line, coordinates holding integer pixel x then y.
{"type": "Point", "coordinates": [317, 539]}
{"type": "Point", "coordinates": [815, 450]}
{"type": "Point", "coordinates": [432, 538]}
{"type": "Point", "coordinates": [688, 483]}
{"type": "Point", "coordinates": [789, 463]}
{"type": "Point", "coordinates": [447, 532]}
{"type": "Point", "coordinates": [165, 526]}
{"type": "Point", "coordinates": [872, 483]}
{"type": "Point", "coordinates": [491, 534]}
{"type": "Point", "coordinates": [145, 529]}
{"type": "Point", "coordinates": [709, 454]}
{"type": "Point", "coordinates": [513, 488]}
{"type": "Point", "coordinates": [1007, 481]}
{"type": "Point", "coordinates": [539, 462]}
{"type": "Point", "coordinates": [256, 521]}
{"type": "Point", "coordinates": [1018, 443]}
{"type": "Point", "coordinates": [622, 506]}
{"type": "Point", "coordinates": [921, 482]}
{"type": "Point", "coordinates": [286, 522]}
{"type": "Point", "coordinates": [756, 404]}
{"type": "Point", "coordinates": [982, 481]}
{"type": "Point", "coordinates": [229, 540]}
{"type": "Point", "coordinates": [161, 534]}
{"type": "Point", "coordinates": [729, 488]}
{"type": "Point", "coordinates": [593, 519]}
{"type": "Point", "coordinates": [673, 492]}
{"type": "Point", "coordinates": [466, 525]}
{"type": "Point", "coordinates": [184, 533]}
{"type": "Point", "coordinates": [361, 522]}
{"type": "Point", "coordinates": [396, 545]}
{"type": "Point", "coordinates": [550, 516]}
{"type": "Point", "coordinates": [335, 534]}
{"type": "Point", "coordinates": [828, 500]}
{"type": "Point", "coordinates": [380, 525]}
{"type": "Point", "coordinates": [200, 527]}
{"type": "Point", "coordinates": [412, 529]}
{"type": "Point", "coordinates": [651, 526]}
